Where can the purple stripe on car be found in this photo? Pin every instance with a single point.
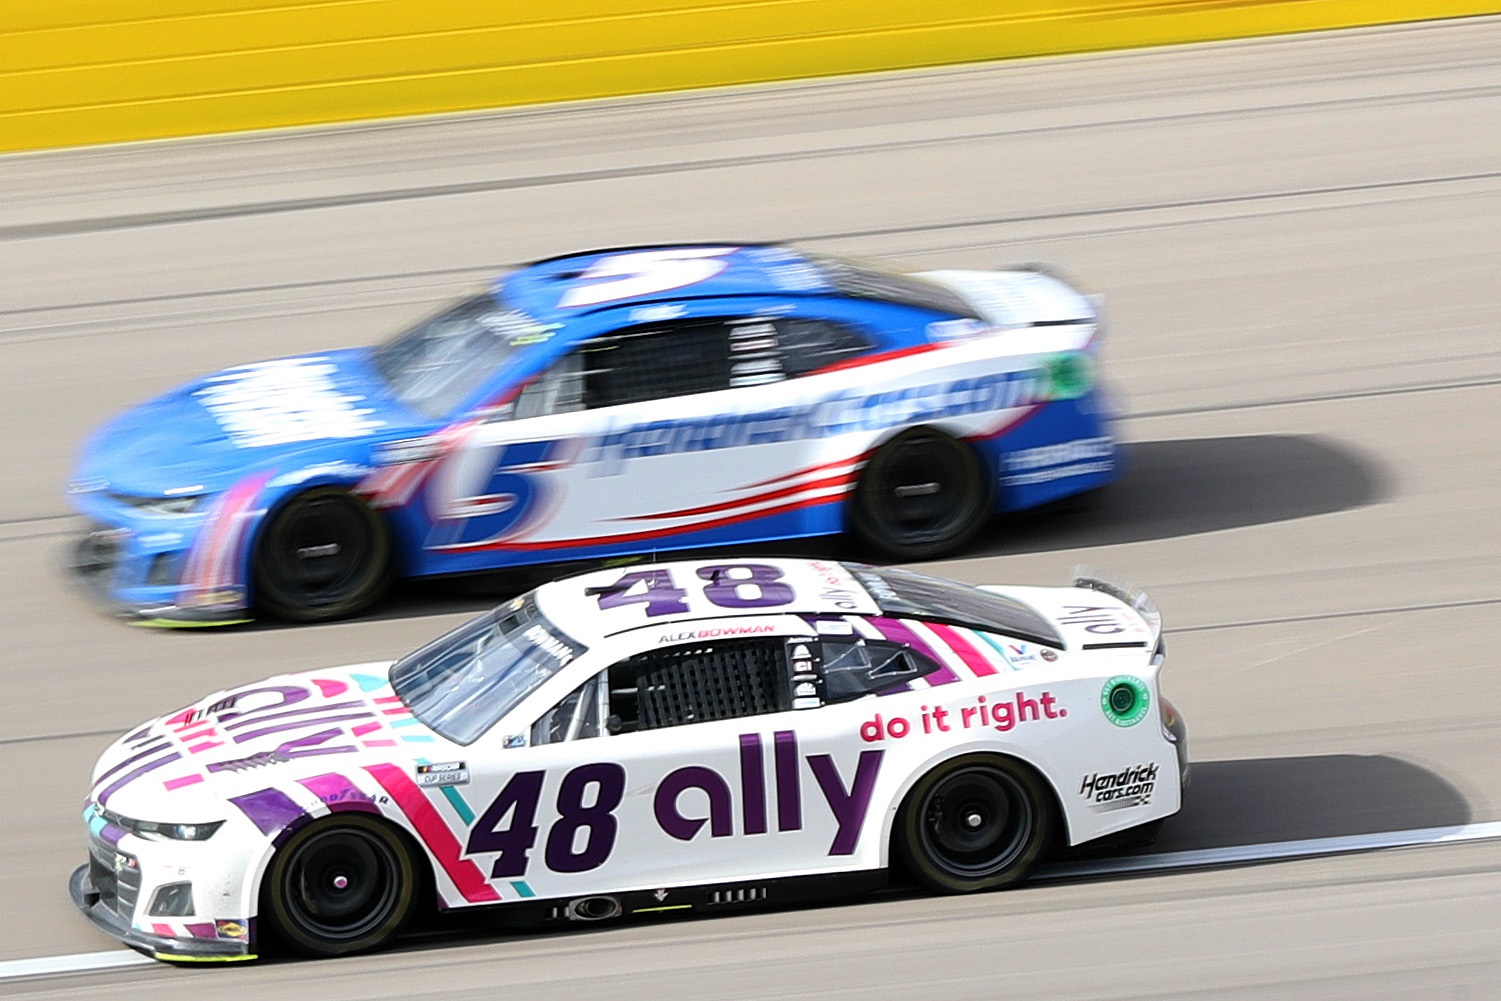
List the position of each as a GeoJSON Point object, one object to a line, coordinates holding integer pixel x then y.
{"type": "Point", "coordinates": [789, 793]}
{"type": "Point", "coordinates": [130, 777]}
{"type": "Point", "coordinates": [201, 929]}
{"type": "Point", "coordinates": [339, 794]}
{"type": "Point", "coordinates": [753, 782]}
{"type": "Point", "coordinates": [299, 724]}
{"type": "Point", "coordinates": [897, 632]}
{"type": "Point", "coordinates": [148, 752]}
{"type": "Point", "coordinates": [111, 834]}
{"type": "Point", "coordinates": [252, 719]}
{"type": "Point", "coordinates": [269, 809]}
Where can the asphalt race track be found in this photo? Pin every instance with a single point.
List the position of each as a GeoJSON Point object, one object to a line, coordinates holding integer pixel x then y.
{"type": "Point", "coordinates": [1299, 242]}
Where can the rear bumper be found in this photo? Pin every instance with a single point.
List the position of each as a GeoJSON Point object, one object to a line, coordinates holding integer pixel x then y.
{"type": "Point", "coordinates": [209, 946]}
{"type": "Point", "coordinates": [1178, 730]}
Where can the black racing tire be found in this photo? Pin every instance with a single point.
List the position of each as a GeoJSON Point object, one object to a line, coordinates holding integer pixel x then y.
{"type": "Point", "coordinates": [922, 495]}
{"type": "Point", "coordinates": [322, 555]}
{"type": "Point", "coordinates": [978, 822]}
{"type": "Point", "coordinates": [340, 886]}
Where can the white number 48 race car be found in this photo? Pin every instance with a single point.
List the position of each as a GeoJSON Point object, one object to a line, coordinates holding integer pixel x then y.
{"type": "Point", "coordinates": [684, 736]}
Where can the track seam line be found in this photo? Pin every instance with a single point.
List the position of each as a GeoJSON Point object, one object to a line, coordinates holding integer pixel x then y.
{"type": "Point", "coordinates": [1327, 616]}
{"type": "Point", "coordinates": [102, 224]}
{"type": "Point", "coordinates": [1198, 858]}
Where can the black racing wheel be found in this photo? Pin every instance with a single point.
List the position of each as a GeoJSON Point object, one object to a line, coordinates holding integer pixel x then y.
{"type": "Point", "coordinates": [322, 555]}
{"type": "Point", "coordinates": [979, 822]}
{"type": "Point", "coordinates": [340, 886]}
{"type": "Point", "coordinates": [922, 495]}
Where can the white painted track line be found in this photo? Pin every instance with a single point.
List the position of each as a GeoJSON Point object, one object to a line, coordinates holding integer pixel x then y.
{"type": "Point", "coordinates": [1272, 851]}
{"type": "Point", "coordinates": [81, 962]}
{"type": "Point", "coordinates": [89, 962]}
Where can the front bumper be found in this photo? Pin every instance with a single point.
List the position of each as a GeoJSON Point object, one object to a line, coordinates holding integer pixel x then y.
{"type": "Point", "coordinates": [193, 942]}
{"type": "Point", "coordinates": [133, 574]}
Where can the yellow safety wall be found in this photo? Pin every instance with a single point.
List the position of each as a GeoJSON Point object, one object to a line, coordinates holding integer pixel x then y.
{"type": "Point", "coordinates": [92, 71]}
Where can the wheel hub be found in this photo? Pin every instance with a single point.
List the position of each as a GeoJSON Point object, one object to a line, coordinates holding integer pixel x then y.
{"type": "Point", "coordinates": [317, 552]}
{"type": "Point", "coordinates": [976, 822]}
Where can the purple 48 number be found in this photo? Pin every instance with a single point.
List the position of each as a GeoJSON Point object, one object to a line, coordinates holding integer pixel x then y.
{"type": "Point", "coordinates": [516, 804]}
{"type": "Point", "coordinates": [727, 585]}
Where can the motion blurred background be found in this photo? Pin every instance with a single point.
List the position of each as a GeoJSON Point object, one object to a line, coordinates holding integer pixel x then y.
{"type": "Point", "coordinates": [1291, 210]}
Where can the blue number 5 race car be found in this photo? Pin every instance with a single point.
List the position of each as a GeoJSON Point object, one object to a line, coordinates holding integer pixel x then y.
{"type": "Point", "coordinates": [599, 405]}
{"type": "Point", "coordinates": [690, 736]}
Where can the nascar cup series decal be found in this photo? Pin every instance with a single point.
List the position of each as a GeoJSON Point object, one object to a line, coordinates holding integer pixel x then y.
{"type": "Point", "coordinates": [1125, 700]}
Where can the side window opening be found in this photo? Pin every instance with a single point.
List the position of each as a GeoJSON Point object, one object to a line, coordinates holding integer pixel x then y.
{"type": "Point", "coordinates": [660, 362]}
{"type": "Point", "coordinates": [810, 345]}
{"type": "Point", "coordinates": [577, 717]}
{"type": "Point", "coordinates": [854, 667]}
{"type": "Point", "coordinates": [559, 390]}
{"type": "Point", "coordinates": [636, 366]}
{"type": "Point", "coordinates": [698, 684]}
{"type": "Point", "coordinates": [764, 350]}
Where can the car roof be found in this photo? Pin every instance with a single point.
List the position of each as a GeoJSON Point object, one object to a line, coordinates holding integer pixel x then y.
{"type": "Point", "coordinates": [654, 273]}
{"type": "Point", "coordinates": [603, 603]}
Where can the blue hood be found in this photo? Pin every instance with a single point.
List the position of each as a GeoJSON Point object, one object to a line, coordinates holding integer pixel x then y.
{"type": "Point", "coordinates": [201, 437]}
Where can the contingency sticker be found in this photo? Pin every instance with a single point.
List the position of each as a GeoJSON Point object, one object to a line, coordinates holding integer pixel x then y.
{"type": "Point", "coordinates": [443, 773]}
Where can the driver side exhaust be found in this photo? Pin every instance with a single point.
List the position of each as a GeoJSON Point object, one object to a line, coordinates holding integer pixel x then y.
{"type": "Point", "coordinates": [593, 909]}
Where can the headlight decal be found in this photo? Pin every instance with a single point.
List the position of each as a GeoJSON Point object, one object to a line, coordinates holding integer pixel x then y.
{"type": "Point", "coordinates": [111, 827]}
{"type": "Point", "coordinates": [163, 506]}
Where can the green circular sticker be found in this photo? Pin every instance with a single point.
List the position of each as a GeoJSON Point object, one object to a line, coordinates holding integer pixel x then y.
{"type": "Point", "coordinates": [1125, 700]}
{"type": "Point", "coordinates": [1069, 375]}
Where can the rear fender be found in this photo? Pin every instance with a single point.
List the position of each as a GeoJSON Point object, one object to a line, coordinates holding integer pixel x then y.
{"type": "Point", "coordinates": [899, 799]}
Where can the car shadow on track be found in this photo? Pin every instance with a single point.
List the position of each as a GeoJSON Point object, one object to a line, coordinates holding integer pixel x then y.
{"type": "Point", "coordinates": [1265, 800]}
{"type": "Point", "coordinates": [1230, 803]}
{"type": "Point", "coordinates": [1187, 486]}
{"type": "Point", "coordinates": [1170, 488]}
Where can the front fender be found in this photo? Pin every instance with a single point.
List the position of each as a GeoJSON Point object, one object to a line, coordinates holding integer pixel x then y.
{"type": "Point", "coordinates": [279, 490]}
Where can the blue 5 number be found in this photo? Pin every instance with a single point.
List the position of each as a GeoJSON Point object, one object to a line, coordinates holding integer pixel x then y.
{"type": "Point", "coordinates": [509, 497]}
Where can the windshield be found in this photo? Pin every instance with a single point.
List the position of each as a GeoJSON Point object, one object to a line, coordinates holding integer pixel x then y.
{"type": "Point", "coordinates": [461, 684]}
{"type": "Point", "coordinates": [902, 592]}
{"type": "Point", "coordinates": [435, 365]}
